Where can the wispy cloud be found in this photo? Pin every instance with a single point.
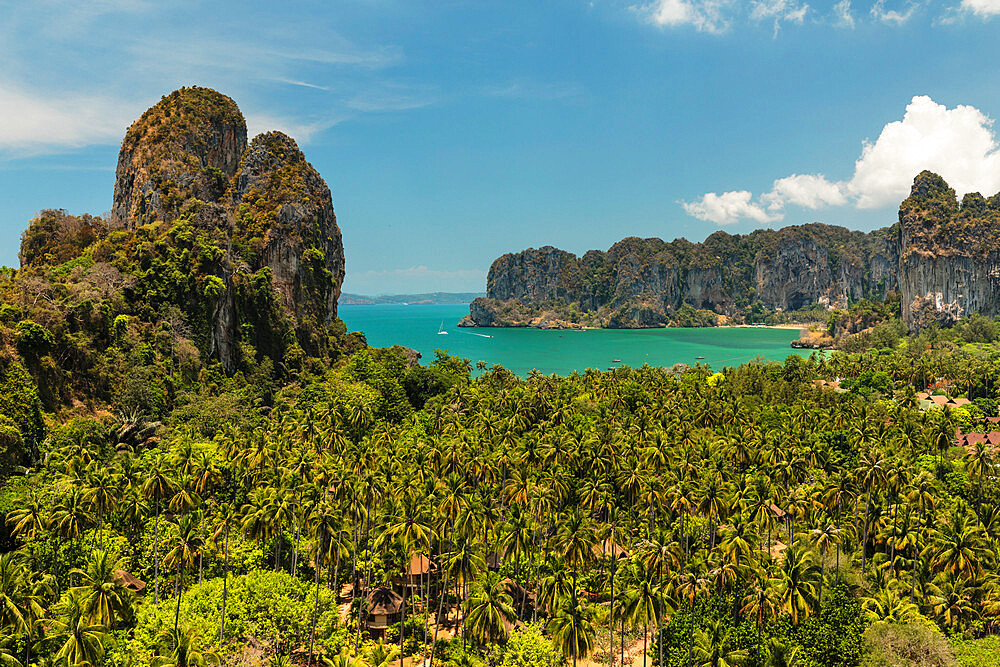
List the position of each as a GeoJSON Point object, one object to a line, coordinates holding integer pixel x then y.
{"type": "Point", "coordinates": [37, 123]}
{"type": "Point", "coordinates": [982, 8]}
{"type": "Point", "coordinates": [844, 14]}
{"type": "Point", "coordinates": [710, 16]}
{"type": "Point", "coordinates": [717, 17]}
{"type": "Point", "coordinates": [147, 49]}
{"type": "Point", "coordinates": [892, 15]}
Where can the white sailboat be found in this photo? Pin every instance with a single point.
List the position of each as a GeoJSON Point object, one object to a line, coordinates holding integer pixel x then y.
{"type": "Point", "coordinates": [441, 331]}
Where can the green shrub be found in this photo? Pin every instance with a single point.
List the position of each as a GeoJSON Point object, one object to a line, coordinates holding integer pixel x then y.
{"type": "Point", "coordinates": [269, 609]}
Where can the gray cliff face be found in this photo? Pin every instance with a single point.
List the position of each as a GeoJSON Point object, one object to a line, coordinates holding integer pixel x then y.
{"type": "Point", "coordinates": [263, 204]}
{"type": "Point", "coordinates": [643, 282]}
{"type": "Point", "coordinates": [533, 275]}
{"type": "Point", "coordinates": [949, 265]}
{"type": "Point", "coordinates": [186, 146]}
{"type": "Point", "coordinates": [795, 275]}
{"type": "Point", "coordinates": [303, 248]}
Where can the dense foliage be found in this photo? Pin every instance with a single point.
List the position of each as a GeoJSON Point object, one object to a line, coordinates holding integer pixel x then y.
{"type": "Point", "coordinates": [742, 517]}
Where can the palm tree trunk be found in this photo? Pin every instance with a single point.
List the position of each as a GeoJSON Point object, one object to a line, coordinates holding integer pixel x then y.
{"type": "Point", "coordinates": [645, 638]}
{"type": "Point", "coordinates": [180, 590]}
{"type": "Point", "coordinates": [402, 620]}
{"type": "Point", "coordinates": [574, 618]}
{"type": "Point", "coordinates": [691, 634]}
{"type": "Point", "coordinates": [295, 548]}
{"type": "Point", "coordinates": [156, 556]}
{"type": "Point", "coordinates": [315, 618]}
{"type": "Point", "coordinates": [444, 594]}
{"type": "Point", "coordinates": [864, 535]}
{"type": "Point", "coordinates": [225, 583]}
{"type": "Point", "coordinates": [895, 514]}
{"type": "Point", "coordinates": [822, 571]}
{"type": "Point", "coordinates": [611, 612]}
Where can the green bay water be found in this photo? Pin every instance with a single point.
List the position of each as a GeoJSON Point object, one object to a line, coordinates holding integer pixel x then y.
{"type": "Point", "coordinates": [565, 351]}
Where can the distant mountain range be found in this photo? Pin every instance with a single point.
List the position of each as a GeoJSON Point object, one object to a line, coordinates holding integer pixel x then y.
{"type": "Point", "coordinates": [428, 299]}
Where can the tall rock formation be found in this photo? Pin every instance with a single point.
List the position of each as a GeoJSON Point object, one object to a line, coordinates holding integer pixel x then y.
{"type": "Point", "coordinates": [187, 145]}
{"type": "Point", "coordinates": [285, 220]}
{"type": "Point", "coordinates": [644, 282]}
{"type": "Point", "coordinates": [261, 215]}
{"type": "Point", "coordinates": [949, 265]}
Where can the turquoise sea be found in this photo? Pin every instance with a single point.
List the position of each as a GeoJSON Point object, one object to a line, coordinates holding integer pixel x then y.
{"type": "Point", "coordinates": [562, 352]}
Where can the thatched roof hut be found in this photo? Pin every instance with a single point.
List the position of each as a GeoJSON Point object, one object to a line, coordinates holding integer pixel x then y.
{"type": "Point", "coordinates": [129, 581]}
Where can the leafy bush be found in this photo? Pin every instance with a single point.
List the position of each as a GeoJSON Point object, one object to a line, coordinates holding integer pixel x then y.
{"type": "Point", "coordinates": [271, 609]}
{"type": "Point", "coordinates": [917, 643]}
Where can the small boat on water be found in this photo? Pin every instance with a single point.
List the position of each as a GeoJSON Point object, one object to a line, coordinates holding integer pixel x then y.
{"type": "Point", "coordinates": [699, 357]}
{"type": "Point", "coordinates": [616, 361]}
{"type": "Point", "coordinates": [441, 331]}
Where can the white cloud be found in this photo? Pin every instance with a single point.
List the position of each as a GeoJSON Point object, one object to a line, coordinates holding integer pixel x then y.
{"type": "Point", "coordinates": [845, 17]}
{"type": "Point", "coordinates": [302, 132]}
{"type": "Point", "coordinates": [806, 190]}
{"type": "Point", "coordinates": [984, 8]}
{"type": "Point", "coordinates": [958, 144]}
{"type": "Point", "coordinates": [37, 123]}
{"type": "Point", "coordinates": [778, 11]}
{"type": "Point", "coordinates": [893, 16]}
{"type": "Point", "coordinates": [728, 208]}
{"type": "Point", "coordinates": [703, 15]}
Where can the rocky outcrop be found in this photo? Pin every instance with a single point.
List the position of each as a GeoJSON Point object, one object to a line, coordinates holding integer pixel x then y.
{"type": "Point", "coordinates": [641, 283]}
{"type": "Point", "coordinates": [186, 146]}
{"type": "Point", "coordinates": [285, 215]}
{"type": "Point", "coordinates": [262, 212]}
{"type": "Point", "coordinates": [949, 266]}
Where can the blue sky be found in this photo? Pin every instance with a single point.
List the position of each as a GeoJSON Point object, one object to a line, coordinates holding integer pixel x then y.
{"type": "Point", "coordinates": [451, 132]}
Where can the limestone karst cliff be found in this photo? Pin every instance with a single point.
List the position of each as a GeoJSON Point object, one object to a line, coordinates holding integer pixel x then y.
{"type": "Point", "coordinates": [644, 282]}
{"type": "Point", "coordinates": [231, 245]}
{"type": "Point", "coordinates": [950, 253]}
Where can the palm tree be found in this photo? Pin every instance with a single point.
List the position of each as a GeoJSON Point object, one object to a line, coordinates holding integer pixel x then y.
{"type": "Point", "coordinates": [688, 589]}
{"type": "Point", "coordinates": [103, 490]}
{"type": "Point", "coordinates": [80, 642]}
{"type": "Point", "coordinates": [961, 549]}
{"type": "Point", "coordinates": [572, 629]}
{"type": "Point", "coordinates": [226, 514]}
{"type": "Point", "coordinates": [872, 470]}
{"type": "Point", "coordinates": [714, 647]}
{"type": "Point", "coordinates": [763, 604]}
{"type": "Point", "coordinates": [409, 529]}
{"type": "Point", "coordinates": [823, 538]}
{"type": "Point", "coordinates": [796, 584]}
{"type": "Point", "coordinates": [181, 649]}
{"type": "Point", "coordinates": [489, 610]}
{"type": "Point", "coordinates": [71, 518]}
{"type": "Point", "coordinates": [781, 655]}
{"type": "Point", "coordinates": [576, 545]}
{"type": "Point", "coordinates": [185, 543]}
{"type": "Point", "coordinates": [29, 519]}
{"type": "Point", "coordinates": [643, 601]}
{"type": "Point", "coordinates": [104, 600]}
{"type": "Point", "coordinates": [885, 604]}
{"type": "Point", "coordinates": [157, 486]}
{"type": "Point", "coordinates": [13, 594]}
{"type": "Point", "coordinates": [7, 657]}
